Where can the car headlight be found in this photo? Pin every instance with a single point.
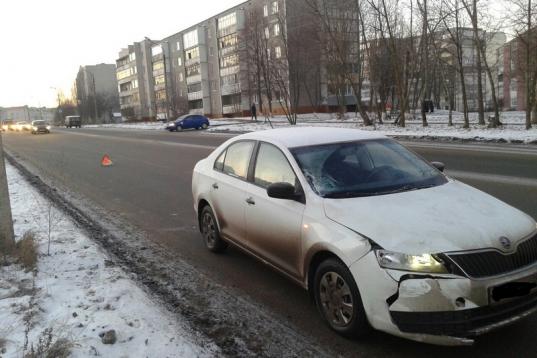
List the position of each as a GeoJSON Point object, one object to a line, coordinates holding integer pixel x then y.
{"type": "Point", "coordinates": [34, 128]}
{"type": "Point", "coordinates": [425, 263]}
{"type": "Point", "coordinates": [48, 127]}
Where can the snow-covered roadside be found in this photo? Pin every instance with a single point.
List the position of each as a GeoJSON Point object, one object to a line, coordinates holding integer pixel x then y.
{"type": "Point", "coordinates": [76, 294]}
{"type": "Point", "coordinates": [513, 130]}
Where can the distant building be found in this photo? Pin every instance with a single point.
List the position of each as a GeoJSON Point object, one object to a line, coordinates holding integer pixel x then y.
{"type": "Point", "coordinates": [135, 81]}
{"type": "Point", "coordinates": [25, 113]}
{"type": "Point", "coordinates": [97, 92]}
{"type": "Point", "coordinates": [512, 70]}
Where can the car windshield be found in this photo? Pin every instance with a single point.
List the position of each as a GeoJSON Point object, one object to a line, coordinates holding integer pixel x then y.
{"type": "Point", "coordinates": [364, 168]}
{"type": "Point", "coordinates": [38, 123]}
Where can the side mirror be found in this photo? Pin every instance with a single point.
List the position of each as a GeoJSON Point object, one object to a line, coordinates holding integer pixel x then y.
{"type": "Point", "coordinates": [284, 191]}
{"type": "Point", "coordinates": [439, 165]}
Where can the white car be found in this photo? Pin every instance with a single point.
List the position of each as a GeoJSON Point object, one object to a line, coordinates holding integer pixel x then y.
{"type": "Point", "coordinates": [380, 237]}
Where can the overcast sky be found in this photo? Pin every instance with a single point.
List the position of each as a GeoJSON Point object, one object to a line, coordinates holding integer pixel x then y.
{"type": "Point", "coordinates": [45, 41]}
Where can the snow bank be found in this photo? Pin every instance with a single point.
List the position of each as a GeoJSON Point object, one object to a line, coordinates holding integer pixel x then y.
{"type": "Point", "coordinates": [79, 294]}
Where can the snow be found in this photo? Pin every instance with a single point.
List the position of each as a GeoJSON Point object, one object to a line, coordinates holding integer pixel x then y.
{"type": "Point", "coordinates": [79, 293]}
{"type": "Point", "coordinates": [513, 129]}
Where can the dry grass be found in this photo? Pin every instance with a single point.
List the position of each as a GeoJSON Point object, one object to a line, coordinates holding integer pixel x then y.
{"type": "Point", "coordinates": [26, 251]}
{"type": "Point", "coordinates": [48, 347]}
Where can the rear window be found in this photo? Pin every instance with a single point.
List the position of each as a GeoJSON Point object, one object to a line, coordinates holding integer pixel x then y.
{"type": "Point", "coordinates": [238, 158]}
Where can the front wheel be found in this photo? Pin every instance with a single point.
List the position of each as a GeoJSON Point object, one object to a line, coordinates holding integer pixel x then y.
{"type": "Point", "coordinates": [210, 232]}
{"type": "Point", "coordinates": [204, 126]}
{"type": "Point", "coordinates": [338, 299]}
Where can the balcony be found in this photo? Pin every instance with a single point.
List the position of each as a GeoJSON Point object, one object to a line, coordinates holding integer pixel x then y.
{"type": "Point", "coordinates": [234, 108]}
{"type": "Point", "coordinates": [192, 61]}
{"type": "Point", "coordinates": [159, 86]}
{"type": "Point", "coordinates": [192, 96]}
{"type": "Point", "coordinates": [230, 89]}
{"type": "Point", "coordinates": [227, 31]}
{"type": "Point", "coordinates": [193, 79]}
{"type": "Point", "coordinates": [228, 50]}
{"type": "Point", "coordinates": [229, 70]}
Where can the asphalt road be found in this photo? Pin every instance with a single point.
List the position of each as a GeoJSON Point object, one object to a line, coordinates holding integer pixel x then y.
{"type": "Point", "coordinates": [149, 185]}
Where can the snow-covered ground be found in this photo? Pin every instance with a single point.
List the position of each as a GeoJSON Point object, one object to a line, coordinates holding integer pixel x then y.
{"type": "Point", "coordinates": [513, 129]}
{"type": "Point", "coordinates": [76, 294]}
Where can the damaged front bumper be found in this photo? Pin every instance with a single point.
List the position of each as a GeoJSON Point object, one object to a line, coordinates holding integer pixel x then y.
{"type": "Point", "coordinates": [442, 309]}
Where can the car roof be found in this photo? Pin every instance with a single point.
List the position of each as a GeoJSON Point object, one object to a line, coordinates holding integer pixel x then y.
{"type": "Point", "coordinates": [305, 136]}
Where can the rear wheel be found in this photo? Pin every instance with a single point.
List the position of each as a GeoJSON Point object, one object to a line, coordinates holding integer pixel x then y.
{"type": "Point", "coordinates": [338, 299]}
{"type": "Point", "coordinates": [210, 232]}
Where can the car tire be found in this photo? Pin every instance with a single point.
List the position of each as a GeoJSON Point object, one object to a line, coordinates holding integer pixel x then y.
{"type": "Point", "coordinates": [179, 128]}
{"type": "Point", "coordinates": [338, 299]}
{"type": "Point", "coordinates": [204, 126]}
{"type": "Point", "coordinates": [210, 232]}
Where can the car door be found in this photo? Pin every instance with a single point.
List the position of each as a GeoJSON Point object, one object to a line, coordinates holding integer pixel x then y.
{"type": "Point", "coordinates": [274, 226]}
{"type": "Point", "coordinates": [228, 196]}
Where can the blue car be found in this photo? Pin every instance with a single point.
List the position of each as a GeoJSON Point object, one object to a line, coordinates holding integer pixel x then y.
{"type": "Point", "coordinates": [192, 121]}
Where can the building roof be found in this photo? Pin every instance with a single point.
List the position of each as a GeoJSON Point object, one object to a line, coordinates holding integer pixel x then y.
{"type": "Point", "coordinates": [304, 136]}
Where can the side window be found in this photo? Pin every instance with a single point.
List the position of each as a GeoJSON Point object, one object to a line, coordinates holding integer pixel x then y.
{"type": "Point", "coordinates": [237, 159]}
{"type": "Point", "coordinates": [272, 167]}
{"type": "Point", "coordinates": [219, 163]}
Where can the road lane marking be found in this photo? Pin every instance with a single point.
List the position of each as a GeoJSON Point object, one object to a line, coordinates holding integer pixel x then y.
{"type": "Point", "coordinates": [473, 148]}
{"type": "Point", "coordinates": [146, 141]}
{"type": "Point", "coordinates": [494, 178]}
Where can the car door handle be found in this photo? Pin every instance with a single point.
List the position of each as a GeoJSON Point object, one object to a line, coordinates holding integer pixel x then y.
{"type": "Point", "coordinates": [250, 201]}
{"type": "Point", "coordinates": [215, 186]}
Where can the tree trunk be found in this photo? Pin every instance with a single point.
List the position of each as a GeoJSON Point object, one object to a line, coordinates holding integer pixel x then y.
{"type": "Point", "coordinates": [7, 238]}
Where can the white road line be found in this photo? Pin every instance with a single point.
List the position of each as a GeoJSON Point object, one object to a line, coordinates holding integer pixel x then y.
{"type": "Point", "coordinates": [145, 141]}
{"type": "Point", "coordinates": [475, 148]}
{"type": "Point", "coordinates": [494, 178]}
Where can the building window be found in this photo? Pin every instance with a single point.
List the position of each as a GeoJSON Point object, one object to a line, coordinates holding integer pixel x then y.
{"type": "Point", "coordinates": [190, 39]}
{"type": "Point", "coordinates": [158, 65]}
{"type": "Point", "coordinates": [228, 61]}
{"type": "Point", "coordinates": [156, 50]}
{"type": "Point", "coordinates": [228, 41]}
{"type": "Point", "coordinates": [278, 52]}
{"type": "Point", "coordinates": [227, 20]}
{"type": "Point", "coordinates": [265, 10]}
{"type": "Point", "coordinates": [268, 54]}
{"type": "Point", "coordinates": [179, 61]}
{"type": "Point", "coordinates": [276, 29]}
{"type": "Point", "coordinates": [274, 7]}
{"type": "Point", "coordinates": [178, 45]}
{"type": "Point", "coordinates": [181, 77]}
{"type": "Point", "coordinates": [135, 84]}
{"type": "Point", "coordinates": [267, 33]}
{"type": "Point", "coordinates": [193, 53]}
{"type": "Point", "coordinates": [160, 80]}
{"type": "Point", "coordinates": [132, 56]}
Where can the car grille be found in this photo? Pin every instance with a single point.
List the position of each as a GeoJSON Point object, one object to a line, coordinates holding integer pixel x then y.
{"type": "Point", "coordinates": [492, 263]}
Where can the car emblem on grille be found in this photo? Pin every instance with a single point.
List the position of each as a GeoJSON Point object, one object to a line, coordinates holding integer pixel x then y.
{"type": "Point", "coordinates": [506, 243]}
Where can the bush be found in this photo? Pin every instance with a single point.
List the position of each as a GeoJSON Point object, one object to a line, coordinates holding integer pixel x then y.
{"type": "Point", "coordinates": [26, 251]}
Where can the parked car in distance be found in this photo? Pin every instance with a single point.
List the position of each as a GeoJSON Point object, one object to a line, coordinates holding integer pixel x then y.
{"type": "Point", "coordinates": [191, 121]}
{"type": "Point", "coordinates": [8, 125]}
{"type": "Point", "coordinates": [40, 126]}
{"type": "Point", "coordinates": [380, 237]}
{"type": "Point", "coordinates": [73, 121]}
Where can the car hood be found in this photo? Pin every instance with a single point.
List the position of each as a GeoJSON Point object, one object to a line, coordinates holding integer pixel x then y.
{"type": "Point", "coordinates": [450, 217]}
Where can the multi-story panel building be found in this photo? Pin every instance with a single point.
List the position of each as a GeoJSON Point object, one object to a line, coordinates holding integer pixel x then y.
{"type": "Point", "coordinates": [97, 92]}
{"type": "Point", "coordinates": [25, 113]}
{"type": "Point", "coordinates": [135, 81]}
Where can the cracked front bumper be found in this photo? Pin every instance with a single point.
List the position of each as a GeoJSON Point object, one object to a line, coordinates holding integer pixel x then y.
{"type": "Point", "coordinates": [438, 309]}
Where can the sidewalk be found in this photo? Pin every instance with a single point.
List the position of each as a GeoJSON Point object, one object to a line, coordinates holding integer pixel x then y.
{"type": "Point", "coordinates": [76, 300]}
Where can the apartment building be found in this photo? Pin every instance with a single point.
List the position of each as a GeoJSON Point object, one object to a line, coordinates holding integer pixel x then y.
{"type": "Point", "coordinates": [218, 67]}
{"type": "Point", "coordinates": [135, 81]}
{"type": "Point", "coordinates": [512, 70]}
{"type": "Point", "coordinates": [97, 92]}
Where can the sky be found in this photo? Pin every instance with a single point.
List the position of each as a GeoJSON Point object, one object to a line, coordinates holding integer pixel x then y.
{"type": "Point", "coordinates": [45, 41]}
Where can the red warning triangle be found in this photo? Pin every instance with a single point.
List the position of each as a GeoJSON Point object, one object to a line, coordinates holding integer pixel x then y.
{"type": "Point", "coordinates": [106, 161]}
